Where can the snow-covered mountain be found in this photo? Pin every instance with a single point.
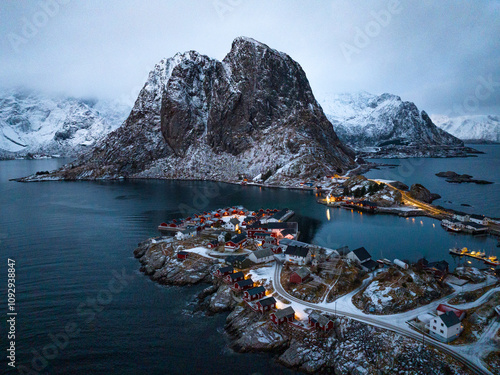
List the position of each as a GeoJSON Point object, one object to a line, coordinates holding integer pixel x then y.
{"type": "Point", "coordinates": [252, 113]}
{"type": "Point", "coordinates": [364, 120]}
{"type": "Point", "coordinates": [473, 128]}
{"type": "Point", "coordinates": [39, 124]}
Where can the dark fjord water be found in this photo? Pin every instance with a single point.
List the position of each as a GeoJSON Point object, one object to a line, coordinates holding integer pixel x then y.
{"type": "Point", "coordinates": [70, 239]}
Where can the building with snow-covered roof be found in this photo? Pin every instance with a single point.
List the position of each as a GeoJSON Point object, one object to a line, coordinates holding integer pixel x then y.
{"type": "Point", "coordinates": [299, 276]}
{"type": "Point", "coordinates": [261, 256]}
{"type": "Point", "coordinates": [298, 254]}
{"type": "Point", "coordinates": [283, 315]}
{"type": "Point", "coordinates": [363, 258]}
{"type": "Point", "coordinates": [445, 327]}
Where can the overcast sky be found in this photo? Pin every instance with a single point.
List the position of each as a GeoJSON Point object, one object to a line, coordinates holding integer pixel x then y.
{"type": "Point", "coordinates": [442, 55]}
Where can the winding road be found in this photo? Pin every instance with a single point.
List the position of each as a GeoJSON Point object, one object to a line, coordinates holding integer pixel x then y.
{"type": "Point", "coordinates": [407, 199]}
{"type": "Point", "coordinates": [463, 355]}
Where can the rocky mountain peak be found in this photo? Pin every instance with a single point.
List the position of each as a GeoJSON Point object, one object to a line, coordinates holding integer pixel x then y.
{"type": "Point", "coordinates": [253, 111]}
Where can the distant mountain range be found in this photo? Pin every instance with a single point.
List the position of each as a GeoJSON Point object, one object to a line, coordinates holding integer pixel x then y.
{"type": "Point", "coordinates": [35, 123]}
{"type": "Point", "coordinates": [471, 129]}
{"type": "Point", "coordinates": [253, 114]}
{"type": "Point", "coordinates": [368, 122]}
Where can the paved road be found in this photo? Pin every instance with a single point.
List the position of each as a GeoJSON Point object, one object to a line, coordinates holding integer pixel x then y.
{"type": "Point", "coordinates": [415, 202]}
{"type": "Point", "coordinates": [473, 364]}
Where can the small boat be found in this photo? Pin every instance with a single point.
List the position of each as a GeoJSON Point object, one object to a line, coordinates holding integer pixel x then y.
{"type": "Point", "coordinates": [493, 260]}
{"type": "Point", "coordinates": [477, 254]}
{"type": "Point", "coordinates": [451, 227]}
{"type": "Point", "coordinates": [459, 252]}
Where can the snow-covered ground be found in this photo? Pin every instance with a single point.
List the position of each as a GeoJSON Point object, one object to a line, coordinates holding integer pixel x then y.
{"type": "Point", "coordinates": [344, 305]}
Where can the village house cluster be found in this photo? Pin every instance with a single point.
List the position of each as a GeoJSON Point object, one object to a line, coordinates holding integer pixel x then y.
{"type": "Point", "coordinates": [243, 241]}
{"type": "Point", "coordinates": [257, 298]}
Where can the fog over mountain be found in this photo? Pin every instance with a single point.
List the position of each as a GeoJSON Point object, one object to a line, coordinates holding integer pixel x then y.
{"type": "Point", "coordinates": [434, 54]}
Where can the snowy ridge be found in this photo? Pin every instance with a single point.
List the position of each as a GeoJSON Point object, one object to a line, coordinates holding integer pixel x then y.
{"type": "Point", "coordinates": [364, 120]}
{"type": "Point", "coordinates": [38, 124]}
{"type": "Point", "coordinates": [471, 128]}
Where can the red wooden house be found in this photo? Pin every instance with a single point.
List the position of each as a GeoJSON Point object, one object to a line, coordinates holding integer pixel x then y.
{"type": "Point", "coordinates": [237, 241]}
{"type": "Point", "coordinates": [443, 309]}
{"type": "Point", "coordinates": [283, 315]}
{"type": "Point", "coordinates": [234, 277]}
{"type": "Point", "coordinates": [182, 255]}
{"type": "Point", "coordinates": [254, 293]}
{"type": "Point", "coordinates": [319, 321]}
{"type": "Point", "coordinates": [224, 271]}
{"type": "Point", "coordinates": [266, 304]}
{"type": "Point", "coordinates": [269, 239]}
{"type": "Point", "coordinates": [213, 244]}
{"type": "Point", "coordinates": [276, 249]}
{"type": "Point", "coordinates": [243, 284]}
{"type": "Point", "coordinates": [299, 276]}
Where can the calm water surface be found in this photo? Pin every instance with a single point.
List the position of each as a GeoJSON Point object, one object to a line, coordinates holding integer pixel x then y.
{"type": "Point", "coordinates": [70, 238]}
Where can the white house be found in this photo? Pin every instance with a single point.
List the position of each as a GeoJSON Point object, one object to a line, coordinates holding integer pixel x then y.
{"type": "Point", "coordinates": [186, 233]}
{"type": "Point", "coordinates": [222, 237]}
{"type": "Point", "coordinates": [461, 216]}
{"type": "Point", "coordinates": [261, 256]}
{"type": "Point", "coordinates": [363, 259]}
{"type": "Point", "coordinates": [298, 254]}
{"type": "Point", "coordinates": [445, 327]}
{"type": "Point", "coordinates": [478, 219]}
{"type": "Point", "coordinates": [233, 224]}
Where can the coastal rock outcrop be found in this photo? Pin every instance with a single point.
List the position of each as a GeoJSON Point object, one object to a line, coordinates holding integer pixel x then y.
{"type": "Point", "coordinates": [250, 333]}
{"type": "Point", "coordinates": [423, 194]}
{"type": "Point", "coordinates": [222, 300]}
{"type": "Point", "coordinates": [198, 118]}
{"type": "Point", "coordinates": [160, 263]}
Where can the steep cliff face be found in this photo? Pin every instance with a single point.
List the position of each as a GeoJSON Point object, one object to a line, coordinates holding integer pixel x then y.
{"type": "Point", "coordinates": [364, 120]}
{"type": "Point", "coordinates": [196, 117]}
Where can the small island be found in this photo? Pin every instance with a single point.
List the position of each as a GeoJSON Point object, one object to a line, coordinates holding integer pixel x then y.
{"type": "Point", "coordinates": [455, 178]}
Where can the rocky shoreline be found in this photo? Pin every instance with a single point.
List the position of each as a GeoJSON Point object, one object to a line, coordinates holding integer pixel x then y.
{"type": "Point", "coordinates": [350, 348]}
